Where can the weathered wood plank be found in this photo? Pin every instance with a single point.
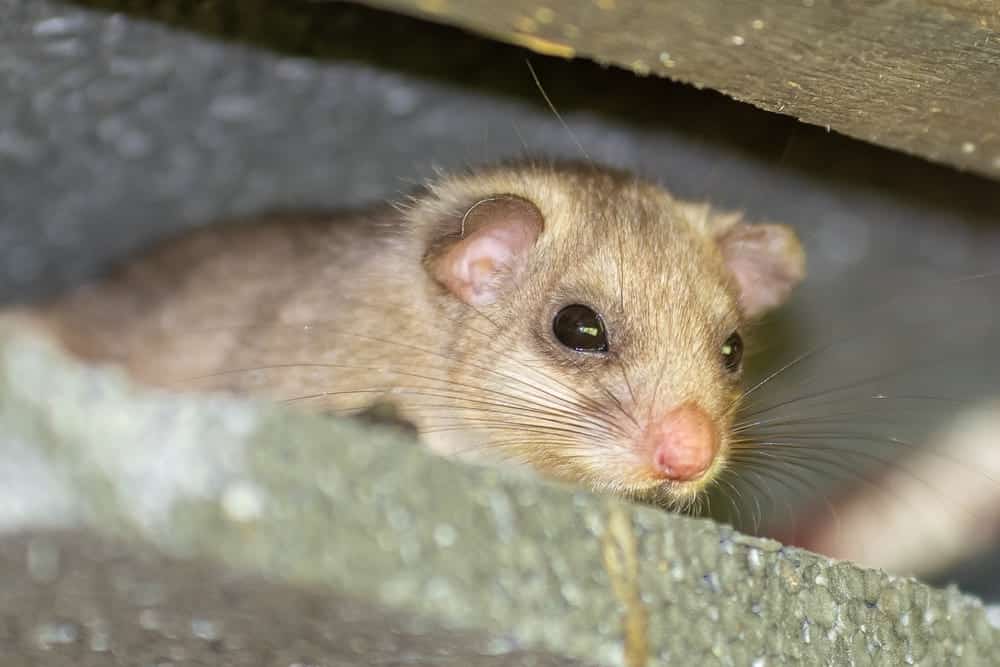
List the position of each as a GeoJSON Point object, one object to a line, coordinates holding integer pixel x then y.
{"type": "Point", "coordinates": [920, 76]}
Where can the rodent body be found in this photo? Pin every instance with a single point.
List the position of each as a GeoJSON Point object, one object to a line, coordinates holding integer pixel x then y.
{"type": "Point", "coordinates": [569, 317]}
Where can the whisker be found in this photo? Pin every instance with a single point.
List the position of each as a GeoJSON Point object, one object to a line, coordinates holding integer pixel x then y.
{"type": "Point", "coordinates": [570, 408]}
{"type": "Point", "coordinates": [502, 425]}
{"type": "Point", "coordinates": [460, 402]}
{"type": "Point", "coordinates": [807, 462]}
{"type": "Point", "coordinates": [844, 387]}
{"type": "Point", "coordinates": [631, 391]}
{"type": "Point", "coordinates": [774, 468]}
{"type": "Point", "coordinates": [591, 401]}
{"type": "Point", "coordinates": [879, 439]}
{"type": "Point", "coordinates": [756, 514]}
{"type": "Point", "coordinates": [809, 456]}
{"type": "Point", "coordinates": [743, 478]}
{"type": "Point", "coordinates": [841, 340]}
{"type": "Point", "coordinates": [514, 379]}
{"type": "Point", "coordinates": [722, 483]}
{"type": "Point", "coordinates": [953, 402]}
{"type": "Point", "coordinates": [555, 112]}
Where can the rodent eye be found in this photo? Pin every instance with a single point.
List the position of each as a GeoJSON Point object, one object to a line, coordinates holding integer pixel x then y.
{"type": "Point", "coordinates": [732, 352]}
{"type": "Point", "coordinates": [580, 328]}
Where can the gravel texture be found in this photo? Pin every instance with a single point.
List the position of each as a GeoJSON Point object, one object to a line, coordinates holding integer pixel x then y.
{"type": "Point", "coordinates": [71, 599]}
{"type": "Point", "coordinates": [363, 512]}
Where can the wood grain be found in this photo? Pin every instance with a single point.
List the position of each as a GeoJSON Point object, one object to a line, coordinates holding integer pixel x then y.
{"type": "Point", "coordinates": [920, 76]}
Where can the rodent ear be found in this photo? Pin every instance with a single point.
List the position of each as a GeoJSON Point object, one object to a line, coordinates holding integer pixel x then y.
{"type": "Point", "coordinates": [766, 262]}
{"type": "Point", "coordinates": [491, 247]}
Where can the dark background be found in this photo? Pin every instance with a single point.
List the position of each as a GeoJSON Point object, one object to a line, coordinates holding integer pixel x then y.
{"type": "Point", "coordinates": [119, 127]}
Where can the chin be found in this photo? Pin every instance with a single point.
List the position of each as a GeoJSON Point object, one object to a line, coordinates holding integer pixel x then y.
{"type": "Point", "coordinates": [679, 496]}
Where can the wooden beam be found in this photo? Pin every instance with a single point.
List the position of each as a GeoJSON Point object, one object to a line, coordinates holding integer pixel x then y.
{"type": "Point", "coordinates": [919, 76]}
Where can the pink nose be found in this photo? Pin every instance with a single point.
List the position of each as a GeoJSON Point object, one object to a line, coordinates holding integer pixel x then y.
{"type": "Point", "coordinates": [683, 443]}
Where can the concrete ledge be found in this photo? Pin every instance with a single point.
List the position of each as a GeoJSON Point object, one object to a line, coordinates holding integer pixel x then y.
{"type": "Point", "coordinates": [73, 599]}
{"type": "Point", "coordinates": [366, 513]}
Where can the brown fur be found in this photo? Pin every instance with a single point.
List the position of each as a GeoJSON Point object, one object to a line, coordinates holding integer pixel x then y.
{"type": "Point", "coordinates": [340, 312]}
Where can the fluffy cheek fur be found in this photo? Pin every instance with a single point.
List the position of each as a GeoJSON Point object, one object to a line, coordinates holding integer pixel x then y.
{"type": "Point", "coordinates": [576, 426]}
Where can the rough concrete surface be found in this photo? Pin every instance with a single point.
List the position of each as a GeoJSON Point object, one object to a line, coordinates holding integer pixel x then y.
{"type": "Point", "coordinates": [70, 598]}
{"type": "Point", "coordinates": [367, 514]}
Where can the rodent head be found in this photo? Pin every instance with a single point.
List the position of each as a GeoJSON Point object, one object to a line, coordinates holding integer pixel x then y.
{"type": "Point", "coordinates": [599, 321]}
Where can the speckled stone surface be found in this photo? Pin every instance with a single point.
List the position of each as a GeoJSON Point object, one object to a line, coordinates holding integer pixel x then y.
{"type": "Point", "coordinates": [363, 512]}
{"type": "Point", "coordinates": [69, 598]}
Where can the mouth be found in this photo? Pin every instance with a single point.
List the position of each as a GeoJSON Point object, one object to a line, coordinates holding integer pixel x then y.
{"type": "Point", "coordinates": [675, 458]}
{"type": "Point", "coordinates": [643, 486]}
{"type": "Point", "coordinates": [644, 483]}
{"type": "Point", "coordinates": [672, 495]}
{"type": "Point", "coordinates": [670, 461]}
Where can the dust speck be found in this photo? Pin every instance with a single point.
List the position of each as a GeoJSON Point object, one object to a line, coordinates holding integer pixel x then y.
{"type": "Point", "coordinates": [58, 26]}
{"type": "Point", "coordinates": [526, 24]}
{"type": "Point", "coordinates": [202, 628]}
{"type": "Point", "coordinates": [445, 535]}
{"type": "Point", "coordinates": [544, 15]}
{"type": "Point", "coordinates": [48, 635]}
{"type": "Point", "coordinates": [242, 502]}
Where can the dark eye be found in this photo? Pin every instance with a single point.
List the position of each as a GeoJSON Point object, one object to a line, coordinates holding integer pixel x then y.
{"type": "Point", "coordinates": [580, 328]}
{"type": "Point", "coordinates": [732, 352]}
